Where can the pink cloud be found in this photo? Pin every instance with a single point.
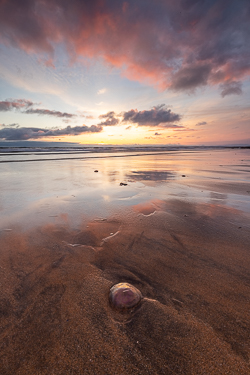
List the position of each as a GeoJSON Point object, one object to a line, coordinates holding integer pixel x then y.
{"type": "Point", "coordinates": [181, 45]}
{"type": "Point", "coordinates": [18, 104]}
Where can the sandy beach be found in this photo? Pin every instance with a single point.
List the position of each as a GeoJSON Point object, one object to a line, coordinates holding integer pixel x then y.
{"type": "Point", "coordinates": [189, 257]}
{"type": "Point", "coordinates": [124, 187]}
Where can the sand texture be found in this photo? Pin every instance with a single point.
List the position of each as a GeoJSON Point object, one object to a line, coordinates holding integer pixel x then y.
{"type": "Point", "coordinates": [191, 264]}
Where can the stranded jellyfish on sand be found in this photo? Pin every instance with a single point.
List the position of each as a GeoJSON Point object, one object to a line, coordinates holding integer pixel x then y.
{"type": "Point", "coordinates": [124, 296]}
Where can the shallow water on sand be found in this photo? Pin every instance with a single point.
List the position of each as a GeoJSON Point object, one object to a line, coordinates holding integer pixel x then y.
{"type": "Point", "coordinates": [36, 192]}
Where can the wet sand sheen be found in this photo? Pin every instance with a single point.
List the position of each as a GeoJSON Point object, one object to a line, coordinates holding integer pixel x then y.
{"type": "Point", "coordinates": [190, 262]}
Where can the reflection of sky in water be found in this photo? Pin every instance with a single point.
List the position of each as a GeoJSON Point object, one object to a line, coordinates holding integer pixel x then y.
{"type": "Point", "coordinates": [220, 196]}
{"type": "Point", "coordinates": [155, 176]}
{"type": "Point", "coordinates": [40, 191]}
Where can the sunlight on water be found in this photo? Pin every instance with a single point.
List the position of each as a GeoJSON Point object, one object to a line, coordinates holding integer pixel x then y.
{"type": "Point", "coordinates": [43, 191]}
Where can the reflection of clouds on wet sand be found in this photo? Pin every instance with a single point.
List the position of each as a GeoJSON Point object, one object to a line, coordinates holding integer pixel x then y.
{"type": "Point", "coordinates": [36, 192]}
{"type": "Point", "coordinates": [149, 207]}
{"type": "Point", "coordinates": [150, 175]}
{"type": "Point", "coordinates": [113, 176]}
{"type": "Point", "coordinates": [199, 213]}
{"type": "Point", "coordinates": [218, 196]}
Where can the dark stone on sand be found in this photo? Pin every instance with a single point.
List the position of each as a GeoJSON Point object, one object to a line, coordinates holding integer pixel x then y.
{"type": "Point", "coordinates": [124, 296]}
{"type": "Point", "coordinates": [96, 170]}
{"type": "Point", "coordinates": [123, 184]}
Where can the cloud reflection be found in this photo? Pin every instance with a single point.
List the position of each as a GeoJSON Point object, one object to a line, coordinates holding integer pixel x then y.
{"type": "Point", "coordinates": [150, 175]}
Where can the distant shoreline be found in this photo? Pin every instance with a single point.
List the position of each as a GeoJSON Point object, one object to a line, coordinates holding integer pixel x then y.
{"type": "Point", "coordinates": [111, 149]}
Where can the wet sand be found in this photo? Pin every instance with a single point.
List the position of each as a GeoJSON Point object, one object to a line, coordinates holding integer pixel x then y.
{"type": "Point", "coordinates": [190, 261]}
{"type": "Point", "coordinates": [178, 229]}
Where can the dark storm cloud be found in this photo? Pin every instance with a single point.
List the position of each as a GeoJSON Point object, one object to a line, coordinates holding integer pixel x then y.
{"type": "Point", "coordinates": [231, 88]}
{"type": "Point", "coordinates": [10, 133]}
{"type": "Point", "coordinates": [182, 44]}
{"type": "Point", "coordinates": [157, 116]}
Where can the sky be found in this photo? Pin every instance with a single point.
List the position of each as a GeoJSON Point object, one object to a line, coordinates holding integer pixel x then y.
{"type": "Point", "coordinates": [156, 72]}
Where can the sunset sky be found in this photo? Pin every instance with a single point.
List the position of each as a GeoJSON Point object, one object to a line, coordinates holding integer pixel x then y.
{"type": "Point", "coordinates": [125, 72]}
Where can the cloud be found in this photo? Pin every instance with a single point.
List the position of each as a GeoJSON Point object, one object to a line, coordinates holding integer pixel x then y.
{"type": "Point", "coordinates": [9, 105]}
{"type": "Point", "coordinates": [231, 88]}
{"type": "Point", "coordinates": [110, 119]}
{"type": "Point", "coordinates": [15, 125]}
{"type": "Point", "coordinates": [101, 91]}
{"type": "Point", "coordinates": [183, 44]}
{"type": "Point", "coordinates": [157, 116]}
{"type": "Point", "coordinates": [49, 113]}
{"type": "Point", "coordinates": [25, 106]}
{"type": "Point", "coordinates": [185, 130]}
{"type": "Point", "coordinates": [189, 78]}
{"type": "Point", "coordinates": [201, 123]}
{"type": "Point", "coordinates": [12, 133]}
